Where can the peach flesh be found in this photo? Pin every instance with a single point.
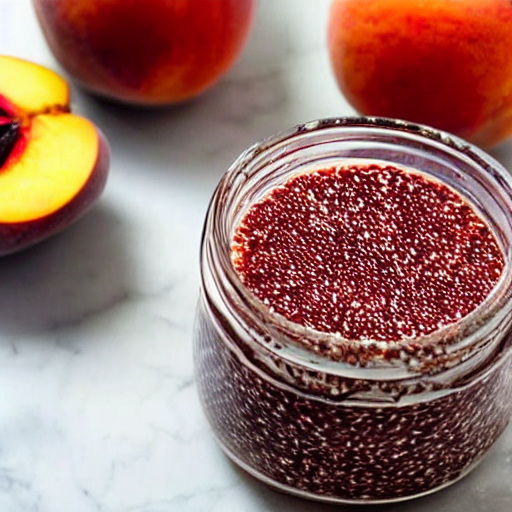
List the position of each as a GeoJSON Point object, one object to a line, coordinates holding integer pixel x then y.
{"type": "Point", "coordinates": [25, 194]}
{"type": "Point", "coordinates": [20, 235]}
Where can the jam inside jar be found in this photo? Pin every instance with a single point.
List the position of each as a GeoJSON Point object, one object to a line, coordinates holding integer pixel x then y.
{"type": "Point", "coordinates": [302, 389]}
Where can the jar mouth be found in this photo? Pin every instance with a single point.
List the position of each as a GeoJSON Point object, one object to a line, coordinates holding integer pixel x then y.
{"type": "Point", "coordinates": [440, 350]}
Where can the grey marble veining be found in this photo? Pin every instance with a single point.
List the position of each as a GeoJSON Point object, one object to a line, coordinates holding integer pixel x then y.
{"type": "Point", "coordinates": [98, 406]}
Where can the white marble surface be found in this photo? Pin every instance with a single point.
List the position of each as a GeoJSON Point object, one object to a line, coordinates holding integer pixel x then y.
{"type": "Point", "coordinates": [98, 406]}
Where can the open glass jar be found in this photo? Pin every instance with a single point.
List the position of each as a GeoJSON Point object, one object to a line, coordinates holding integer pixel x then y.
{"type": "Point", "coordinates": [378, 423]}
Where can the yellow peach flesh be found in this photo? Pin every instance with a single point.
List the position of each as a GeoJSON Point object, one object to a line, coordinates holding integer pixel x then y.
{"type": "Point", "coordinates": [58, 160]}
{"type": "Point", "coordinates": [31, 87]}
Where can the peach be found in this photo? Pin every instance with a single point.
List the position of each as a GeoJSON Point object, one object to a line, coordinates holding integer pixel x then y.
{"type": "Point", "coordinates": [445, 63]}
{"type": "Point", "coordinates": [149, 52]}
{"type": "Point", "coordinates": [53, 164]}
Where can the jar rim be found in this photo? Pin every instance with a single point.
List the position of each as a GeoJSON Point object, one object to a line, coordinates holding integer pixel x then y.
{"type": "Point", "coordinates": [422, 353]}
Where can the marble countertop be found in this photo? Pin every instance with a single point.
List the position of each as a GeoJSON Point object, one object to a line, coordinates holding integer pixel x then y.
{"type": "Point", "coordinates": [98, 405]}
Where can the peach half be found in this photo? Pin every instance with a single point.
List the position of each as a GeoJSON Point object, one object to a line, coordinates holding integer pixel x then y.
{"type": "Point", "coordinates": [53, 164]}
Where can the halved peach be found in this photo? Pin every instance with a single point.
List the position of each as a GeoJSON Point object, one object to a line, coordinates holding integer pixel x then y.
{"type": "Point", "coordinates": [53, 164]}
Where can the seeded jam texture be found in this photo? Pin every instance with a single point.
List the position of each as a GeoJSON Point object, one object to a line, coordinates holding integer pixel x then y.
{"type": "Point", "coordinates": [367, 251]}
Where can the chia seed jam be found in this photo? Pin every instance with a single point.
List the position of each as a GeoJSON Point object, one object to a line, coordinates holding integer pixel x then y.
{"type": "Point", "coordinates": [352, 337]}
{"type": "Point", "coordinates": [367, 251]}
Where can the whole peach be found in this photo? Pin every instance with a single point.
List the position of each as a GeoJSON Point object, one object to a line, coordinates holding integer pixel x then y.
{"type": "Point", "coordinates": [445, 63]}
{"type": "Point", "coordinates": [147, 52]}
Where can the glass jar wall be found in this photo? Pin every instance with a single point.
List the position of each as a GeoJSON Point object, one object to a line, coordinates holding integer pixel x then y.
{"type": "Point", "coordinates": [361, 428]}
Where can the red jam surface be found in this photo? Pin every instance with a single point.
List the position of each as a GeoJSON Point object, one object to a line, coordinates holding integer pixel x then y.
{"type": "Point", "coordinates": [367, 251]}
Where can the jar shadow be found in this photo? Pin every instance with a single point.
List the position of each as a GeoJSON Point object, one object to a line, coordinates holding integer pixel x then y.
{"type": "Point", "coordinates": [272, 500]}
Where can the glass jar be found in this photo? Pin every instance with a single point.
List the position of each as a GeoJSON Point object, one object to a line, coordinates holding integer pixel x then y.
{"type": "Point", "coordinates": [384, 421]}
